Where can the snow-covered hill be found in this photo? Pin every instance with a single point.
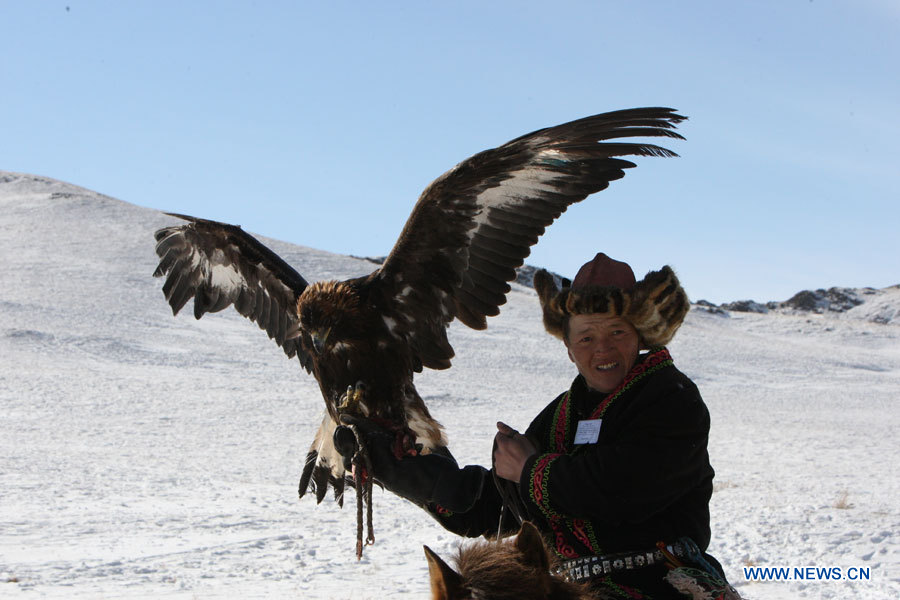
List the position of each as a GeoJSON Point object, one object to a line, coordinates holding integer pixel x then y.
{"type": "Point", "coordinates": [868, 304]}
{"type": "Point", "coordinates": [147, 456]}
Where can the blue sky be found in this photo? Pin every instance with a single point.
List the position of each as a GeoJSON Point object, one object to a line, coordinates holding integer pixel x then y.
{"type": "Point", "coordinates": [320, 123]}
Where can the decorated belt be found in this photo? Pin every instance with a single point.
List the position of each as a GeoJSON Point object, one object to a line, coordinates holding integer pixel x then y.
{"type": "Point", "coordinates": [585, 568]}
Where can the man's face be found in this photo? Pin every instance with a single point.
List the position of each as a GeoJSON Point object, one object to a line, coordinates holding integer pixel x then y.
{"type": "Point", "coordinates": [603, 348]}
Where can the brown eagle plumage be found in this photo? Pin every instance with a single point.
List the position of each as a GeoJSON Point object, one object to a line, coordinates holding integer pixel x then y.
{"type": "Point", "coordinates": [467, 234]}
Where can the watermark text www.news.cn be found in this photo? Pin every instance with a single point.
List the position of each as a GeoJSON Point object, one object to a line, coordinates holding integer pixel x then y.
{"type": "Point", "coordinates": [807, 574]}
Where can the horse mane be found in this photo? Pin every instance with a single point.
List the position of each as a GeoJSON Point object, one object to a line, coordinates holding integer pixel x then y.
{"type": "Point", "coordinates": [515, 568]}
{"type": "Point", "coordinates": [498, 570]}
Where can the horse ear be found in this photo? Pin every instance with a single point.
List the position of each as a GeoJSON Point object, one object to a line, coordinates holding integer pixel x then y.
{"type": "Point", "coordinates": [445, 582]}
{"type": "Point", "coordinates": [530, 543]}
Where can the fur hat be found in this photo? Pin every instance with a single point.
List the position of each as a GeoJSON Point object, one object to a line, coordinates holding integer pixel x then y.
{"type": "Point", "coordinates": [655, 305]}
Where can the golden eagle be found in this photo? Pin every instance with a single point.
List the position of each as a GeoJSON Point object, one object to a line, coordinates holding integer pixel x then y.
{"type": "Point", "coordinates": [468, 232]}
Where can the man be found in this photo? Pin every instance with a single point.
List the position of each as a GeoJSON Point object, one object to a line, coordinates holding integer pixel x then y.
{"type": "Point", "coordinates": [614, 471]}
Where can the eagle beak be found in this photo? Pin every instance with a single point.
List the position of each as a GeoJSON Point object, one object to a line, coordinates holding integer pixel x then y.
{"type": "Point", "coordinates": [318, 340]}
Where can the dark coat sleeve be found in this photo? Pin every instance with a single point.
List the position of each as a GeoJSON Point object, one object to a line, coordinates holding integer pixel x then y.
{"type": "Point", "coordinates": [654, 450]}
{"type": "Point", "coordinates": [483, 518]}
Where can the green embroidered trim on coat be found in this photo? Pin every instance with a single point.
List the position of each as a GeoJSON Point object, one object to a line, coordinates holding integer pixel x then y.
{"type": "Point", "coordinates": [537, 484]}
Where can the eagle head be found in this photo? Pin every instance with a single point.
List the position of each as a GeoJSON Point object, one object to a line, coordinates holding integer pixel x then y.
{"type": "Point", "coordinates": [330, 313]}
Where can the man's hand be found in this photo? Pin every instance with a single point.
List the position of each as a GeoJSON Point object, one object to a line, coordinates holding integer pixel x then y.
{"type": "Point", "coordinates": [511, 450]}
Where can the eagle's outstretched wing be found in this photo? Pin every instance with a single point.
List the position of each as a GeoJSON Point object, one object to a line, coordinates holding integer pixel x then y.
{"type": "Point", "coordinates": [475, 224]}
{"type": "Point", "coordinates": [219, 265]}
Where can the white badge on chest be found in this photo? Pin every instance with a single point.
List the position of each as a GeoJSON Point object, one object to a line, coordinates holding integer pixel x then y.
{"type": "Point", "coordinates": [588, 431]}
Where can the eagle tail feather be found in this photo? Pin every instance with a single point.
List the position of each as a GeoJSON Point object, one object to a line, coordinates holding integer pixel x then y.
{"type": "Point", "coordinates": [308, 466]}
{"type": "Point", "coordinates": [323, 466]}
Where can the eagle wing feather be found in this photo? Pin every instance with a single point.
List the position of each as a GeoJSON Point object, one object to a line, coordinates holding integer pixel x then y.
{"type": "Point", "coordinates": [475, 224]}
{"type": "Point", "coordinates": [220, 265]}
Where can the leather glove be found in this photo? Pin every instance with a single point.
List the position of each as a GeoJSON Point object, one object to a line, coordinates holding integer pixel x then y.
{"type": "Point", "coordinates": [422, 479]}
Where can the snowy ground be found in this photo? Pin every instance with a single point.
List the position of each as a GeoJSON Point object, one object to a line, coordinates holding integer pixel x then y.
{"type": "Point", "coordinates": [146, 456]}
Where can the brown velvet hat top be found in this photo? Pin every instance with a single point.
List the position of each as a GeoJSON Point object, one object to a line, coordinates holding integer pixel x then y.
{"type": "Point", "coordinates": [604, 271]}
{"type": "Point", "coordinates": [655, 305]}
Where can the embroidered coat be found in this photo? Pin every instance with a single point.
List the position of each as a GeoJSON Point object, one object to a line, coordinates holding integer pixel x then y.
{"type": "Point", "coordinates": [647, 478]}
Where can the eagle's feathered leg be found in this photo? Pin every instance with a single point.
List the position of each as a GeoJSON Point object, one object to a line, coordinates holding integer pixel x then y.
{"type": "Point", "coordinates": [352, 402]}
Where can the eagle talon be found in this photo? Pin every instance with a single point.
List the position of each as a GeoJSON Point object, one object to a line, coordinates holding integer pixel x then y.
{"type": "Point", "coordinates": [350, 401]}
